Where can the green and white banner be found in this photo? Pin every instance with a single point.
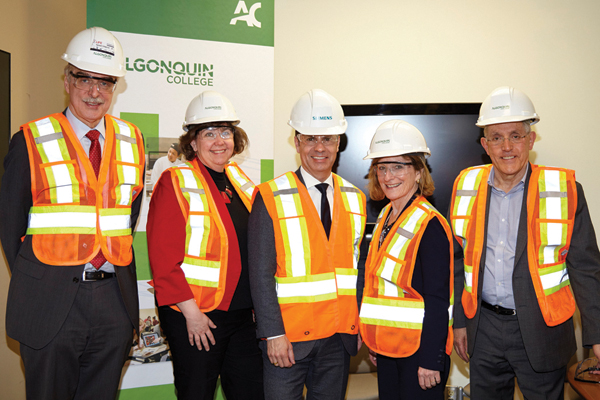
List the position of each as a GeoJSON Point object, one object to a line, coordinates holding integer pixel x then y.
{"type": "Point", "coordinates": [175, 50]}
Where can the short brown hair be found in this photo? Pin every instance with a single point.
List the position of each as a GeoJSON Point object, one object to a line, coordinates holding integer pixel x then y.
{"type": "Point", "coordinates": [240, 139]}
{"type": "Point", "coordinates": [425, 186]}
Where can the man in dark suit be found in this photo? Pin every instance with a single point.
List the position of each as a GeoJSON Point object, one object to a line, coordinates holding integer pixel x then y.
{"type": "Point", "coordinates": [69, 201]}
{"type": "Point", "coordinates": [532, 230]}
{"type": "Point", "coordinates": [304, 233]}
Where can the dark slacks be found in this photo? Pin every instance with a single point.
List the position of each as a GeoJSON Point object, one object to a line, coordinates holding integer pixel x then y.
{"type": "Point", "coordinates": [324, 371]}
{"type": "Point", "coordinates": [499, 355]}
{"type": "Point", "coordinates": [85, 359]}
{"type": "Point", "coordinates": [397, 379]}
{"type": "Point", "coordinates": [235, 356]}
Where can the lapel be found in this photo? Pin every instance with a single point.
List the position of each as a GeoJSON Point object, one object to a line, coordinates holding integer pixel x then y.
{"type": "Point", "coordinates": [522, 233]}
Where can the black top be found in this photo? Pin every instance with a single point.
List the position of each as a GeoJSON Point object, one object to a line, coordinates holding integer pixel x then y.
{"type": "Point", "coordinates": [239, 215]}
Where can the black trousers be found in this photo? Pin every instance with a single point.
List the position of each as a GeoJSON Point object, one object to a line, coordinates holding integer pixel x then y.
{"type": "Point", "coordinates": [235, 356]}
{"type": "Point", "coordinates": [499, 355]}
{"type": "Point", "coordinates": [85, 358]}
{"type": "Point", "coordinates": [397, 379]}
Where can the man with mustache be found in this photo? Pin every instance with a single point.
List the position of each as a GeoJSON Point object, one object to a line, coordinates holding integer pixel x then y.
{"type": "Point", "coordinates": [69, 201]}
{"type": "Point", "coordinates": [527, 239]}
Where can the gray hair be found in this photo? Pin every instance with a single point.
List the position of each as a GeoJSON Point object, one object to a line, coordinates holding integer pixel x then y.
{"type": "Point", "coordinates": [526, 126]}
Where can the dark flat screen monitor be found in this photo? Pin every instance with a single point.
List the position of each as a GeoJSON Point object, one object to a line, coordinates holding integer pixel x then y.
{"type": "Point", "coordinates": [449, 130]}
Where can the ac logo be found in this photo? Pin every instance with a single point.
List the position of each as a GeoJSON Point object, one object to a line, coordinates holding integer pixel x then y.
{"type": "Point", "coordinates": [249, 18]}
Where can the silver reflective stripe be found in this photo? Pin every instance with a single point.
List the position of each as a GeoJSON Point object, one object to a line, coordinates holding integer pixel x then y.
{"type": "Point", "coordinates": [405, 233]}
{"type": "Point", "coordinates": [285, 191]}
{"type": "Point", "coordinates": [114, 222]}
{"type": "Point", "coordinates": [346, 281]}
{"type": "Point", "coordinates": [349, 189]}
{"type": "Point", "coordinates": [471, 193]}
{"type": "Point", "coordinates": [246, 186]}
{"type": "Point", "coordinates": [47, 138]}
{"type": "Point", "coordinates": [192, 190]}
{"type": "Point", "coordinates": [65, 219]}
{"type": "Point", "coordinates": [392, 313]}
{"type": "Point", "coordinates": [126, 138]}
{"type": "Point", "coordinates": [554, 279]}
{"type": "Point", "coordinates": [552, 194]}
{"type": "Point", "coordinates": [298, 289]}
{"type": "Point", "coordinates": [201, 273]}
{"type": "Point", "coordinates": [553, 236]}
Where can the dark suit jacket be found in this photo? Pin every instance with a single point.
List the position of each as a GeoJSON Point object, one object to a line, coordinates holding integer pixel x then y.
{"type": "Point", "coordinates": [262, 260]}
{"type": "Point", "coordinates": [548, 348]}
{"type": "Point", "coordinates": [40, 295]}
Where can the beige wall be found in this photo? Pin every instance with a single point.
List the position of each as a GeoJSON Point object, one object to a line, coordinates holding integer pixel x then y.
{"type": "Point", "coordinates": [36, 33]}
{"type": "Point", "coordinates": [439, 51]}
{"type": "Point", "coordinates": [369, 52]}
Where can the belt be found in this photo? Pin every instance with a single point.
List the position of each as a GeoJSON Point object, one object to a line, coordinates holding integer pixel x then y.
{"type": "Point", "coordinates": [498, 309]}
{"type": "Point", "coordinates": [97, 275]}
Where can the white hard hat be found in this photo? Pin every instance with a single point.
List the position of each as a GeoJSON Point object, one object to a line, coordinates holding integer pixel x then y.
{"type": "Point", "coordinates": [209, 106]}
{"type": "Point", "coordinates": [318, 113]}
{"type": "Point", "coordinates": [506, 104]}
{"type": "Point", "coordinates": [96, 50]}
{"type": "Point", "coordinates": [396, 138]}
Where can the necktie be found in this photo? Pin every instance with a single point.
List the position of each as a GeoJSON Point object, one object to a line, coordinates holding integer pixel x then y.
{"type": "Point", "coordinates": [325, 210]}
{"type": "Point", "coordinates": [96, 159]}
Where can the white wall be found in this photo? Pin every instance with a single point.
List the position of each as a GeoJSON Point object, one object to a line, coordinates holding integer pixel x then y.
{"type": "Point", "coordinates": [435, 51]}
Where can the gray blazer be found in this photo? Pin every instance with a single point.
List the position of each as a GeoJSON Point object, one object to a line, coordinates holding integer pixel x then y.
{"type": "Point", "coordinates": [40, 295]}
{"type": "Point", "coordinates": [548, 348]}
{"type": "Point", "coordinates": [262, 265]}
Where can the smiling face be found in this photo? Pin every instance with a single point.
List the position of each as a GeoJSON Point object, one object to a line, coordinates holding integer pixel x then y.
{"type": "Point", "coordinates": [509, 159]}
{"type": "Point", "coordinates": [88, 106]}
{"type": "Point", "coordinates": [317, 158]}
{"type": "Point", "coordinates": [214, 153]}
{"type": "Point", "coordinates": [172, 155]}
{"type": "Point", "coordinates": [398, 187]}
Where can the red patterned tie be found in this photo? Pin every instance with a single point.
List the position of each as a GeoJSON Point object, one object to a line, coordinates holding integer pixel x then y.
{"type": "Point", "coordinates": [96, 159]}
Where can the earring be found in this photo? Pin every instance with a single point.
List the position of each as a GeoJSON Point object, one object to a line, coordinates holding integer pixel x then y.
{"type": "Point", "coordinates": [418, 181]}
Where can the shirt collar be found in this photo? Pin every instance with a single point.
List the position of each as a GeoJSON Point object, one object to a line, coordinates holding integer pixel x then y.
{"type": "Point", "coordinates": [517, 186]}
{"type": "Point", "coordinates": [310, 181]}
{"type": "Point", "coordinates": [82, 129]}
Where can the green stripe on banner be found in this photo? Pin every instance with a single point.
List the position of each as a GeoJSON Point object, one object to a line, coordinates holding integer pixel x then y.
{"type": "Point", "coordinates": [267, 170]}
{"type": "Point", "coordinates": [231, 21]}
{"type": "Point", "coordinates": [148, 124]}
{"type": "Point", "coordinates": [142, 263]}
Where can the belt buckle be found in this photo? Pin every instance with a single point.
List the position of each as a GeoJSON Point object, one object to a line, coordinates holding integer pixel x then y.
{"type": "Point", "coordinates": [85, 279]}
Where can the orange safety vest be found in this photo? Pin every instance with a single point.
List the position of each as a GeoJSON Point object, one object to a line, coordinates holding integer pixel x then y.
{"type": "Point", "coordinates": [316, 277]}
{"type": "Point", "coordinates": [75, 214]}
{"type": "Point", "coordinates": [392, 312]}
{"type": "Point", "coordinates": [551, 206]}
{"type": "Point", "coordinates": [206, 243]}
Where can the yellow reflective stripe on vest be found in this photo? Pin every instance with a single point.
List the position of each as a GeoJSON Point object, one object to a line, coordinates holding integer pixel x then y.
{"type": "Point", "coordinates": [306, 289]}
{"type": "Point", "coordinates": [126, 151]}
{"type": "Point", "coordinates": [346, 279]}
{"type": "Point", "coordinates": [354, 206]}
{"type": "Point", "coordinates": [466, 193]}
{"type": "Point", "coordinates": [115, 221]}
{"type": "Point", "coordinates": [394, 313]}
{"type": "Point", "coordinates": [50, 144]}
{"type": "Point", "coordinates": [62, 219]}
{"type": "Point", "coordinates": [554, 203]}
{"type": "Point", "coordinates": [197, 270]}
{"type": "Point", "coordinates": [201, 272]}
{"type": "Point", "coordinates": [293, 225]}
{"type": "Point", "coordinates": [389, 270]}
{"type": "Point", "coordinates": [245, 185]}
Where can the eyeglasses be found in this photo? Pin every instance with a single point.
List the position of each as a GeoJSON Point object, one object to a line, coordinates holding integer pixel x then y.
{"type": "Point", "coordinates": [326, 140]}
{"type": "Point", "coordinates": [212, 132]}
{"type": "Point", "coordinates": [85, 82]}
{"type": "Point", "coordinates": [499, 140]}
{"type": "Point", "coordinates": [395, 168]}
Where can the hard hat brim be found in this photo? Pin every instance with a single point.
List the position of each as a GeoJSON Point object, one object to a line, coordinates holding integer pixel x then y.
{"type": "Point", "coordinates": [501, 120]}
{"type": "Point", "coordinates": [393, 153]}
{"type": "Point", "coordinates": [309, 130]}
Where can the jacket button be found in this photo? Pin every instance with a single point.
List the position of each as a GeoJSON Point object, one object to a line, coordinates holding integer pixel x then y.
{"type": "Point", "coordinates": [352, 327]}
{"type": "Point", "coordinates": [75, 280]}
{"type": "Point", "coordinates": [307, 333]}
